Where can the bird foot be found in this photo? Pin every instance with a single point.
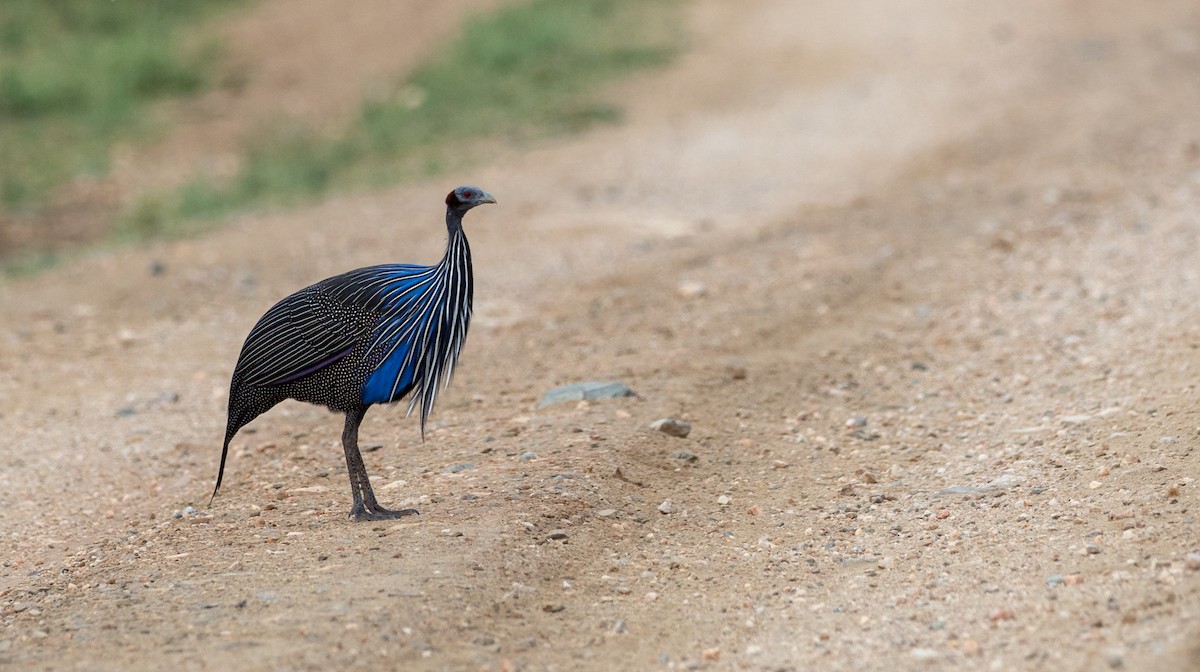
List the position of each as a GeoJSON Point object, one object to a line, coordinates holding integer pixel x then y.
{"type": "Point", "coordinates": [361, 512]}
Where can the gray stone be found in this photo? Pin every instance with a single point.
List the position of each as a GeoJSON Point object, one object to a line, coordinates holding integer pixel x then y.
{"type": "Point", "coordinates": [596, 389]}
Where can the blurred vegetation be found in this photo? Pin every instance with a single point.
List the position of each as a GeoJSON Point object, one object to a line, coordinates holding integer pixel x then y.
{"type": "Point", "coordinates": [525, 71]}
{"type": "Point", "coordinates": [76, 77]}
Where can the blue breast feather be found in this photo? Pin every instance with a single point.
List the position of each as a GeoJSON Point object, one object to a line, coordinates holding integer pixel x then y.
{"type": "Point", "coordinates": [409, 295]}
{"type": "Point", "coordinates": [392, 379]}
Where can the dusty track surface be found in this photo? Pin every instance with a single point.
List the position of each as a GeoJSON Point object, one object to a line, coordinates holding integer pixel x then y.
{"type": "Point", "coordinates": [924, 281]}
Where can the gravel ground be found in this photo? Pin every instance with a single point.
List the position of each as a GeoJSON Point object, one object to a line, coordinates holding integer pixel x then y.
{"type": "Point", "coordinates": [922, 281]}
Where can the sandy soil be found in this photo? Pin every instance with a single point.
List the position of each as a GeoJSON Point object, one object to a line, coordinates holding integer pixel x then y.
{"type": "Point", "coordinates": [923, 280]}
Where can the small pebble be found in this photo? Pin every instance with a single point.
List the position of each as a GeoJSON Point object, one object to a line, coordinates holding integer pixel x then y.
{"type": "Point", "coordinates": [723, 500]}
{"type": "Point", "coordinates": [962, 490]}
{"type": "Point", "coordinates": [1073, 579]}
{"type": "Point", "coordinates": [455, 468]}
{"type": "Point", "coordinates": [779, 464]}
{"type": "Point", "coordinates": [1002, 614]}
{"type": "Point", "coordinates": [525, 457]}
{"type": "Point", "coordinates": [666, 507]}
{"type": "Point", "coordinates": [1095, 484]}
{"type": "Point", "coordinates": [1192, 562]}
{"type": "Point", "coordinates": [672, 427]}
{"type": "Point", "coordinates": [754, 510]}
{"type": "Point", "coordinates": [685, 456]}
{"type": "Point", "coordinates": [370, 447]}
{"type": "Point", "coordinates": [557, 535]}
{"type": "Point", "coordinates": [606, 513]}
{"type": "Point", "coordinates": [712, 654]}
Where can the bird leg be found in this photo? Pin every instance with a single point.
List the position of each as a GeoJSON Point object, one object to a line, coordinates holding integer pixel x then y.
{"type": "Point", "coordinates": [365, 507]}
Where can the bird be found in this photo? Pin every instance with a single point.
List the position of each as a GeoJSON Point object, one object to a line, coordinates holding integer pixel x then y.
{"type": "Point", "coordinates": [365, 337]}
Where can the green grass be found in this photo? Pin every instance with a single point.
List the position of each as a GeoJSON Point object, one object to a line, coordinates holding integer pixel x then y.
{"type": "Point", "coordinates": [525, 71]}
{"type": "Point", "coordinates": [76, 76]}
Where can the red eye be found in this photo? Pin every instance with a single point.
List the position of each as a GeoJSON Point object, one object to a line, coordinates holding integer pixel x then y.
{"type": "Point", "coordinates": [468, 194]}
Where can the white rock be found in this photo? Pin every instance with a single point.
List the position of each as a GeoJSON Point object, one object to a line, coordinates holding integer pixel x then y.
{"type": "Point", "coordinates": [690, 289]}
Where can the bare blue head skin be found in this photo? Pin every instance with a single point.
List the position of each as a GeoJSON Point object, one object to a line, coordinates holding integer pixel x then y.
{"type": "Point", "coordinates": [466, 197]}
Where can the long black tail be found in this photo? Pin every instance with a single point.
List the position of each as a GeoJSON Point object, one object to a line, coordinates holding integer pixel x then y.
{"type": "Point", "coordinates": [221, 469]}
{"type": "Point", "coordinates": [238, 418]}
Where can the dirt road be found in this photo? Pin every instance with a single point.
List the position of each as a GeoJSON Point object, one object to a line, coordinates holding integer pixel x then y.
{"type": "Point", "coordinates": [923, 280]}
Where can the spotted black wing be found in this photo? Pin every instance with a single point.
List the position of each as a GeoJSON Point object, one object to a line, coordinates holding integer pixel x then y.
{"type": "Point", "coordinates": [316, 326]}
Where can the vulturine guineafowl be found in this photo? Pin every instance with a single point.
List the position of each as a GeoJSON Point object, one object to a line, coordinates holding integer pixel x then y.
{"type": "Point", "coordinates": [370, 336]}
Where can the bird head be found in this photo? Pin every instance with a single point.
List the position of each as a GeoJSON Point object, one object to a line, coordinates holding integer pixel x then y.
{"type": "Point", "coordinates": [465, 197]}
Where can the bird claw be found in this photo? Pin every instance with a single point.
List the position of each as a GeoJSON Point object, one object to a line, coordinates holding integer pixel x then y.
{"type": "Point", "coordinates": [362, 512]}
